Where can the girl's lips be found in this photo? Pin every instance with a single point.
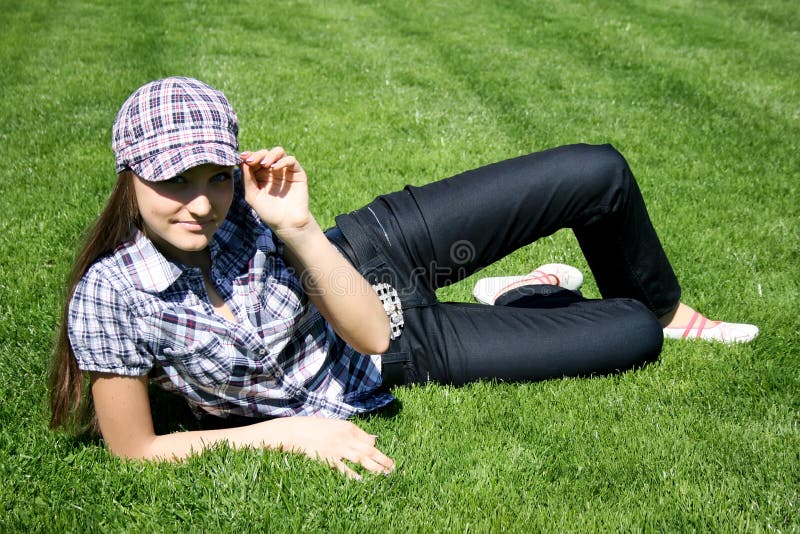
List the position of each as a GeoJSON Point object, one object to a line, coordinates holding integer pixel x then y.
{"type": "Point", "coordinates": [195, 225]}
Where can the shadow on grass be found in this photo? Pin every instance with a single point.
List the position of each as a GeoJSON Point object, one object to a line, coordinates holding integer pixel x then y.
{"type": "Point", "coordinates": [386, 412]}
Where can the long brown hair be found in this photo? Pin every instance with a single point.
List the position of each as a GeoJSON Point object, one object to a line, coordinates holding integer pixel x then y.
{"type": "Point", "coordinates": [70, 407]}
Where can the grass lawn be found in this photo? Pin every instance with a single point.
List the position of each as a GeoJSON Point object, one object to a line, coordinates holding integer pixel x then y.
{"type": "Point", "coordinates": [703, 98]}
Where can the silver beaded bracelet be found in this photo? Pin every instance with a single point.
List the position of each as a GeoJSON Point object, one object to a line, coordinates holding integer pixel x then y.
{"type": "Point", "coordinates": [392, 307]}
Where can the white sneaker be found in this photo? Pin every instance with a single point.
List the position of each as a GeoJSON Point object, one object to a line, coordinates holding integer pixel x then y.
{"type": "Point", "coordinates": [713, 331]}
{"type": "Point", "coordinates": [488, 290]}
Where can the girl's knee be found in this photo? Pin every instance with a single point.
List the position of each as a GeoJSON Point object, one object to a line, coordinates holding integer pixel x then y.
{"type": "Point", "coordinates": [644, 332]}
{"type": "Point", "coordinates": [599, 175]}
{"type": "Point", "coordinates": [605, 165]}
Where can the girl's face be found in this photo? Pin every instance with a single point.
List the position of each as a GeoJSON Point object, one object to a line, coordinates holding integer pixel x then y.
{"type": "Point", "coordinates": [180, 215]}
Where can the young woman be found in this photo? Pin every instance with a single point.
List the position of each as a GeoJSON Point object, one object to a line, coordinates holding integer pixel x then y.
{"type": "Point", "coordinates": [207, 274]}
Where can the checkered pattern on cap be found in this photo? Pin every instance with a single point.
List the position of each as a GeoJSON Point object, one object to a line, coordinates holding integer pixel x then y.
{"type": "Point", "coordinates": [171, 125]}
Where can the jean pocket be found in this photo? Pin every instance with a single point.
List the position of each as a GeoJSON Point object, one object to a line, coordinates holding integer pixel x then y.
{"type": "Point", "coordinates": [397, 369]}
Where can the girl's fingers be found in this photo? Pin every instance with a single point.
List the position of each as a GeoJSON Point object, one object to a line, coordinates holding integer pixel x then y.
{"type": "Point", "coordinates": [277, 164]}
{"type": "Point", "coordinates": [272, 156]}
{"type": "Point", "coordinates": [263, 157]}
{"type": "Point", "coordinates": [371, 458]}
{"type": "Point", "coordinates": [254, 158]}
{"type": "Point", "coordinates": [342, 467]}
{"type": "Point", "coordinates": [378, 462]}
{"type": "Point", "coordinates": [367, 462]}
{"type": "Point", "coordinates": [286, 162]}
{"type": "Point", "coordinates": [384, 461]}
{"type": "Point", "coordinates": [375, 465]}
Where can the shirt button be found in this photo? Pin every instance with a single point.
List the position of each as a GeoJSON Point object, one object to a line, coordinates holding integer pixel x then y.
{"type": "Point", "coordinates": [219, 281]}
{"type": "Point", "coordinates": [262, 351]}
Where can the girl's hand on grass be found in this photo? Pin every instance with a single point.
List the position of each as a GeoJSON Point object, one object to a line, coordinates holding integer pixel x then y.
{"type": "Point", "coordinates": [123, 411]}
{"type": "Point", "coordinates": [333, 441]}
{"type": "Point", "coordinates": [276, 187]}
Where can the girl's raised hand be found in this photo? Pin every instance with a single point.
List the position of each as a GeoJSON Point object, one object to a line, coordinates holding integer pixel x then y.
{"type": "Point", "coordinates": [276, 186]}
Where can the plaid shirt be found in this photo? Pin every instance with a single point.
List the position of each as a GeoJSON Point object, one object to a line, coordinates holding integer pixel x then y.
{"type": "Point", "coordinates": [135, 312]}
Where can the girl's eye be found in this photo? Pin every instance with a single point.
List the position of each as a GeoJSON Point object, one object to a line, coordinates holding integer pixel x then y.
{"type": "Point", "coordinates": [176, 180]}
{"type": "Point", "coordinates": [221, 177]}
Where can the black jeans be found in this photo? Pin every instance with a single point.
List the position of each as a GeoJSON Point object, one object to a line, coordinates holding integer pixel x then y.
{"type": "Point", "coordinates": [423, 238]}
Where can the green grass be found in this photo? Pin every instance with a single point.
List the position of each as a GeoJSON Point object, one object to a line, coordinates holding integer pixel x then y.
{"type": "Point", "coordinates": [703, 99]}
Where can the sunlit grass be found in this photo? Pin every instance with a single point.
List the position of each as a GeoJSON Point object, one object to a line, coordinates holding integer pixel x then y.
{"type": "Point", "coordinates": [701, 97]}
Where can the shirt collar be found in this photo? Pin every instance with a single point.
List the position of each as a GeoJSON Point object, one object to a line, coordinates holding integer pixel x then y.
{"type": "Point", "coordinates": [150, 270]}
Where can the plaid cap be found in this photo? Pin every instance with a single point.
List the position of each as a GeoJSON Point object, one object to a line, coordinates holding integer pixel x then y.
{"type": "Point", "coordinates": [171, 125]}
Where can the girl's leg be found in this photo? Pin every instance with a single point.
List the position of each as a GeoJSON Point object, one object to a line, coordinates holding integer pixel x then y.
{"type": "Point", "coordinates": [424, 237]}
{"type": "Point", "coordinates": [460, 343]}
{"type": "Point", "coordinates": [475, 218]}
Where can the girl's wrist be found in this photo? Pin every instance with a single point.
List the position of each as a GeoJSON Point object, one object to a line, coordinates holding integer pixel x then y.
{"type": "Point", "coordinates": [298, 239]}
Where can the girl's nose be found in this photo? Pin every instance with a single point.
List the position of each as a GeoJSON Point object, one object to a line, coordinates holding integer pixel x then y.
{"type": "Point", "coordinates": [200, 205]}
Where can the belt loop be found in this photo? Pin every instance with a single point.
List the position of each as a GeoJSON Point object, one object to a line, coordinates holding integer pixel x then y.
{"type": "Point", "coordinates": [337, 238]}
{"type": "Point", "coordinates": [363, 248]}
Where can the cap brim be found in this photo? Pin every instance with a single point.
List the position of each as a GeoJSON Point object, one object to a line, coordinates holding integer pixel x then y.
{"type": "Point", "coordinates": [170, 163]}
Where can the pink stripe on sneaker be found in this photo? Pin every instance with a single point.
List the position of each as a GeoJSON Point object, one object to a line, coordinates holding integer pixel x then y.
{"type": "Point", "coordinates": [703, 322]}
{"type": "Point", "coordinates": [691, 324]}
{"type": "Point", "coordinates": [541, 274]}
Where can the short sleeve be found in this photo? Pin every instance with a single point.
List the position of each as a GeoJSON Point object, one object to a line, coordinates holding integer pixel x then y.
{"type": "Point", "coordinates": [101, 329]}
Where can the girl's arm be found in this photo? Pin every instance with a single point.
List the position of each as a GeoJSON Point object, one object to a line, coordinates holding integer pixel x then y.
{"type": "Point", "coordinates": [276, 186]}
{"type": "Point", "coordinates": [122, 405]}
{"type": "Point", "coordinates": [340, 293]}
